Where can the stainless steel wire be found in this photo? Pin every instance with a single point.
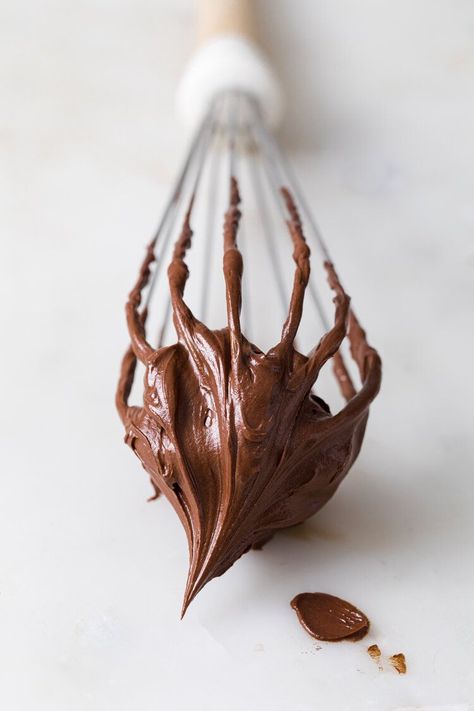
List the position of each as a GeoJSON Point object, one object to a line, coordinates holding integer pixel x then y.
{"type": "Point", "coordinates": [230, 135]}
{"type": "Point", "coordinates": [171, 207]}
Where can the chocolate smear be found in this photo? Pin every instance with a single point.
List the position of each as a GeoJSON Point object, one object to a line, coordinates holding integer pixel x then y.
{"type": "Point", "coordinates": [233, 436]}
{"type": "Point", "coordinates": [329, 618]}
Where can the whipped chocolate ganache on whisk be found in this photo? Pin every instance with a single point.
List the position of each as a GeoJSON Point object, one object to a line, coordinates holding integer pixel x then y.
{"type": "Point", "coordinates": [235, 437]}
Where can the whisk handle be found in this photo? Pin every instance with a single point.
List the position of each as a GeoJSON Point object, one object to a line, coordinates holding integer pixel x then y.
{"type": "Point", "coordinates": [220, 17]}
{"type": "Point", "coordinates": [227, 58]}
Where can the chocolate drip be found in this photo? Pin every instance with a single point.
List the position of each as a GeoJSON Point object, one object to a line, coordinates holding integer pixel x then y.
{"type": "Point", "coordinates": [233, 436]}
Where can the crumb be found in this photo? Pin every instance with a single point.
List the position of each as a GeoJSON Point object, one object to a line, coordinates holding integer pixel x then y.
{"type": "Point", "coordinates": [375, 654]}
{"type": "Point", "coordinates": [374, 651]}
{"type": "Point", "coordinates": [398, 662]}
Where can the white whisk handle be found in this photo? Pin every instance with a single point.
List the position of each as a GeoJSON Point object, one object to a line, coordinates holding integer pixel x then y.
{"type": "Point", "coordinates": [227, 58]}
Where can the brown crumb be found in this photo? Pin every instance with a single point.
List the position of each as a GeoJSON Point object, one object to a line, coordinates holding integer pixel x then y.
{"type": "Point", "coordinates": [398, 662]}
{"type": "Point", "coordinates": [375, 654]}
{"type": "Point", "coordinates": [374, 651]}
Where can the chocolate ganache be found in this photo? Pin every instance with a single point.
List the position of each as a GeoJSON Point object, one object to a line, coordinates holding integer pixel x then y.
{"type": "Point", "coordinates": [234, 437]}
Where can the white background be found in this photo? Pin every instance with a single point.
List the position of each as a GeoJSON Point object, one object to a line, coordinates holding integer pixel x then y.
{"type": "Point", "coordinates": [379, 126]}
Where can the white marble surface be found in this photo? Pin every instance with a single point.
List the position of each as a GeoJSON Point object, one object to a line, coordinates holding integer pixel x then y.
{"type": "Point", "coordinates": [380, 129]}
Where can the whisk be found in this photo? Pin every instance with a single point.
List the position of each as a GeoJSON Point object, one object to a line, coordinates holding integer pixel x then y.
{"type": "Point", "coordinates": [206, 431]}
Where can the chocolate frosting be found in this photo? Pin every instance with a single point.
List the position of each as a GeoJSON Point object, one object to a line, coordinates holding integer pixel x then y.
{"type": "Point", "coordinates": [329, 618]}
{"type": "Point", "coordinates": [233, 436]}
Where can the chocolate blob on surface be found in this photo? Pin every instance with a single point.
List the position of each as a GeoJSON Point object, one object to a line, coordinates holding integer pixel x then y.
{"type": "Point", "coordinates": [329, 618]}
{"type": "Point", "coordinates": [234, 437]}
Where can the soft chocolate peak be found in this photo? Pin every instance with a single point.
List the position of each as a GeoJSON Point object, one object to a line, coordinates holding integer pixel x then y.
{"type": "Point", "coordinates": [233, 436]}
{"type": "Point", "coordinates": [329, 618]}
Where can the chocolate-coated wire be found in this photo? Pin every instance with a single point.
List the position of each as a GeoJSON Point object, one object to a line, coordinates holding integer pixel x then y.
{"type": "Point", "coordinates": [210, 128]}
{"type": "Point", "coordinates": [260, 147]}
{"type": "Point", "coordinates": [278, 177]}
{"type": "Point", "coordinates": [171, 209]}
{"type": "Point", "coordinates": [288, 177]}
{"type": "Point", "coordinates": [210, 226]}
{"type": "Point", "coordinates": [262, 202]}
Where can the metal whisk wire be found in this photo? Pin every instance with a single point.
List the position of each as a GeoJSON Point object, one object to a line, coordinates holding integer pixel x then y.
{"type": "Point", "coordinates": [232, 132]}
